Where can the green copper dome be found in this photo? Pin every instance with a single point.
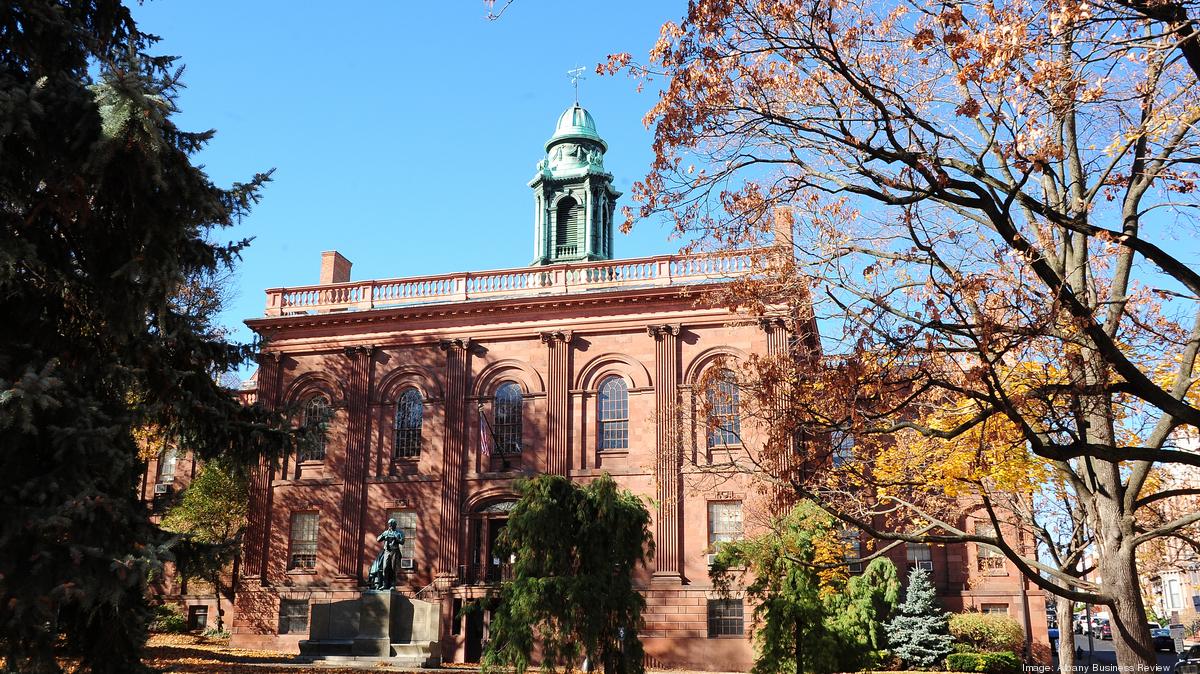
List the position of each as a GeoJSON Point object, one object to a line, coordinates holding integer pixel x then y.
{"type": "Point", "coordinates": [576, 124]}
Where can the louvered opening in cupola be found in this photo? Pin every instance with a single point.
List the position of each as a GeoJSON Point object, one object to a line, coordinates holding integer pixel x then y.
{"type": "Point", "coordinates": [568, 231]}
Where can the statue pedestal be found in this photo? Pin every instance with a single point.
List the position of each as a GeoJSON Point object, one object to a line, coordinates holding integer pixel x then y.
{"type": "Point", "coordinates": [374, 624]}
{"type": "Point", "coordinates": [378, 625]}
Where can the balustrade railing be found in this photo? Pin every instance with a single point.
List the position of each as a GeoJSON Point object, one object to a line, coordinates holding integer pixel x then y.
{"type": "Point", "coordinates": [662, 270]}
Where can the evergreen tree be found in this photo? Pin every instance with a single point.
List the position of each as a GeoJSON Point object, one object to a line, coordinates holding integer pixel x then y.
{"type": "Point", "coordinates": [104, 220]}
{"type": "Point", "coordinates": [796, 574]}
{"type": "Point", "coordinates": [919, 634]}
{"type": "Point", "coordinates": [572, 588]}
{"type": "Point", "coordinates": [212, 514]}
{"type": "Point", "coordinates": [861, 613]}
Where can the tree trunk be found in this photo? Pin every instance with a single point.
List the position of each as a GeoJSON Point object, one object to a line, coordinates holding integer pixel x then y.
{"type": "Point", "coordinates": [217, 594]}
{"type": "Point", "coordinates": [1065, 612]}
{"type": "Point", "coordinates": [1131, 635]}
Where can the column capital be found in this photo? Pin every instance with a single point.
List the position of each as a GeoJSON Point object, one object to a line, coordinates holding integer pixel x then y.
{"type": "Point", "coordinates": [772, 323]}
{"type": "Point", "coordinates": [461, 343]}
{"type": "Point", "coordinates": [664, 329]}
{"type": "Point", "coordinates": [560, 336]}
{"type": "Point", "coordinates": [352, 351]}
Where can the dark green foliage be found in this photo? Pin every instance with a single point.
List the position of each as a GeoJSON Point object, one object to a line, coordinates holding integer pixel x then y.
{"type": "Point", "coordinates": [987, 632]}
{"type": "Point", "coordinates": [918, 635]}
{"type": "Point", "coordinates": [806, 612]}
{"type": "Point", "coordinates": [168, 618]}
{"type": "Point", "coordinates": [104, 221]}
{"type": "Point", "coordinates": [859, 614]}
{"type": "Point", "coordinates": [572, 590]}
{"type": "Point", "coordinates": [1004, 662]}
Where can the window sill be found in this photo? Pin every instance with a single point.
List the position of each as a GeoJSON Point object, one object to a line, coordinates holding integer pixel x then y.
{"type": "Point", "coordinates": [612, 453]}
{"type": "Point", "coordinates": [301, 572]}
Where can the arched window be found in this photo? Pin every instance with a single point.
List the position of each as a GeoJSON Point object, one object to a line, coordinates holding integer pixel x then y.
{"type": "Point", "coordinates": [568, 225]}
{"type": "Point", "coordinates": [410, 409]}
{"type": "Point", "coordinates": [724, 422]}
{"type": "Point", "coordinates": [315, 423]}
{"type": "Point", "coordinates": [614, 413]}
{"type": "Point", "coordinates": [507, 407]}
{"type": "Point", "coordinates": [167, 461]}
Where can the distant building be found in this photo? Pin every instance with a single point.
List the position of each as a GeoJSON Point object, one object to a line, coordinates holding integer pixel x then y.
{"type": "Point", "coordinates": [436, 393]}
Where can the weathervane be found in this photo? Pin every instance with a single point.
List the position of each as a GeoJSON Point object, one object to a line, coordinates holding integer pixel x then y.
{"type": "Point", "coordinates": [576, 74]}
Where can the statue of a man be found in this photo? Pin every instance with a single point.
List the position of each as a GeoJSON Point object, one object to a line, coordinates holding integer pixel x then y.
{"type": "Point", "coordinates": [383, 570]}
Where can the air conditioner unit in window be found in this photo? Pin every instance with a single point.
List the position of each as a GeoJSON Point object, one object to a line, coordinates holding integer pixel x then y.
{"type": "Point", "coordinates": [710, 559]}
{"type": "Point", "coordinates": [925, 564]}
{"type": "Point", "coordinates": [407, 563]}
{"type": "Point", "coordinates": [162, 489]}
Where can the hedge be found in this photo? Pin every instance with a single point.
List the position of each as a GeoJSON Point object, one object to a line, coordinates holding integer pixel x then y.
{"type": "Point", "coordinates": [987, 632]}
{"type": "Point", "coordinates": [991, 663]}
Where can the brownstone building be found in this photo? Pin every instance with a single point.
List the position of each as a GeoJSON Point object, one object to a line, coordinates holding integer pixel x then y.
{"type": "Point", "coordinates": [436, 393]}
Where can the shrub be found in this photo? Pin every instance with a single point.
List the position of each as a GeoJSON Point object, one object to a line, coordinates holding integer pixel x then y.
{"type": "Point", "coordinates": [1004, 662]}
{"type": "Point", "coordinates": [987, 632]}
{"type": "Point", "coordinates": [168, 618]}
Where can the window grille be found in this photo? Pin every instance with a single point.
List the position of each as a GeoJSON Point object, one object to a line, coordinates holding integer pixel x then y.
{"type": "Point", "coordinates": [724, 522]}
{"type": "Point", "coordinates": [293, 616]}
{"type": "Point", "coordinates": [166, 465]}
{"type": "Point", "coordinates": [843, 448]}
{"type": "Point", "coordinates": [568, 227]}
{"type": "Point", "coordinates": [406, 521]}
{"type": "Point", "coordinates": [507, 408]}
{"type": "Point", "coordinates": [724, 421]}
{"type": "Point", "coordinates": [315, 423]}
{"type": "Point", "coordinates": [302, 553]}
{"type": "Point", "coordinates": [410, 410]}
{"type": "Point", "coordinates": [725, 618]}
{"type": "Point", "coordinates": [614, 414]}
{"type": "Point", "coordinates": [853, 544]}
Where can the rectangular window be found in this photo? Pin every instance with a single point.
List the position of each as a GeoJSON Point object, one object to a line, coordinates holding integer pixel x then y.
{"type": "Point", "coordinates": [919, 556]}
{"type": "Point", "coordinates": [991, 562]}
{"type": "Point", "coordinates": [843, 449]}
{"type": "Point", "coordinates": [293, 616]}
{"type": "Point", "coordinates": [302, 552]}
{"type": "Point", "coordinates": [994, 609]}
{"type": "Point", "coordinates": [197, 617]}
{"type": "Point", "coordinates": [406, 521]}
{"type": "Point", "coordinates": [725, 618]}
{"type": "Point", "coordinates": [854, 553]}
{"type": "Point", "coordinates": [724, 522]}
{"type": "Point", "coordinates": [1172, 594]}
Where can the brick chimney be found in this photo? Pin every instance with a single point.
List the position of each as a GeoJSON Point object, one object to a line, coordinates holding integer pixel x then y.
{"type": "Point", "coordinates": [334, 268]}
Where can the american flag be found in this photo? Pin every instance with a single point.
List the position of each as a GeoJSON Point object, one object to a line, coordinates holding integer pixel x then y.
{"type": "Point", "coordinates": [485, 435]}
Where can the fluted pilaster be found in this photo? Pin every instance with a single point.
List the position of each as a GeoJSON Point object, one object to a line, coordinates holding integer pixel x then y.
{"type": "Point", "coordinates": [558, 401]}
{"type": "Point", "coordinates": [668, 550]}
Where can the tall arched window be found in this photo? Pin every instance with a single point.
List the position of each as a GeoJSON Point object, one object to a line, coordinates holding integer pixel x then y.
{"type": "Point", "coordinates": [613, 402]}
{"type": "Point", "coordinates": [724, 422]}
{"type": "Point", "coordinates": [315, 424]}
{"type": "Point", "coordinates": [410, 410]}
{"type": "Point", "coordinates": [568, 225]}
{"type": "Point", "coordinates": [507, 407]}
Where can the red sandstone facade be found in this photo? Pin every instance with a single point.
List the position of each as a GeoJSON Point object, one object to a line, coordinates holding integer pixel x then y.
{"type": "Point", "coordinates": [557, 332]}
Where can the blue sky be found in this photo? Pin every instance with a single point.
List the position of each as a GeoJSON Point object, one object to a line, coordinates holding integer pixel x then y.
{"type": "Point", "coordinates": [402, 134]}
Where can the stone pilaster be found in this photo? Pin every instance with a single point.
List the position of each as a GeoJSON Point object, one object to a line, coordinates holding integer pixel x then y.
{"type": "Point", "coordinates": [258, 529]}
{"type": "Point", "coordinates": [668, 535]}
{"type": "Point", "coordinates": [354, 484]}
{"type": "Point", "coordinates": [558, 401]}
{"type": "Point", "coordinates": [781, 459]}
{"type": "Point", "coordinates": [458, 354]}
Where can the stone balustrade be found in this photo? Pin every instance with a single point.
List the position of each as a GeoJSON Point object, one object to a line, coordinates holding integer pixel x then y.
{"type": "Point", "coordinates": [561, 279]}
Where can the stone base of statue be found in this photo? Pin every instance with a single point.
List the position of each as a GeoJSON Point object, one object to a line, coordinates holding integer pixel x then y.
{"type": "Point", "coordinates": [378, 626]}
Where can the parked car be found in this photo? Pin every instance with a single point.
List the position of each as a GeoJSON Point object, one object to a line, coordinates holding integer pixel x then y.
{"type": "Point", "coordinates": [1162, 640]}
{"type": "Point", "coordinates": [1189, 661]}
{"type": "Point", "coordinates": [1104, 631]}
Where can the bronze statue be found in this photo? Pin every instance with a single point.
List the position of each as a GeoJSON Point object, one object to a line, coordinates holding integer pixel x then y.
{"type": "Point", "coordinates": [383, 570]}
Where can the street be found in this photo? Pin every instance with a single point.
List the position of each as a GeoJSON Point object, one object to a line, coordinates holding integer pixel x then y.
{"type": "Point", "coordinates": [1104, 658]}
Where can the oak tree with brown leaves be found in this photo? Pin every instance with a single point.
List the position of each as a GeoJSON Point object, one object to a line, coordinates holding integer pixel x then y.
{"type": "Point", "coordinates": [982, 203]}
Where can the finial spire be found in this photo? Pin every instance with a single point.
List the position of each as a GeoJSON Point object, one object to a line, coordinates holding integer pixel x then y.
{"type": "Point", "coordinates": [576, 74]}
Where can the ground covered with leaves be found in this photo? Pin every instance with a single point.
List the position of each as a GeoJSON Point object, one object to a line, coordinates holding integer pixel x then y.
{"type": "Point", "coordinates": [190, 653]}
